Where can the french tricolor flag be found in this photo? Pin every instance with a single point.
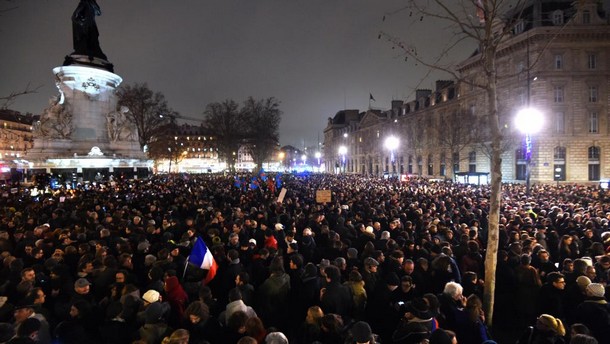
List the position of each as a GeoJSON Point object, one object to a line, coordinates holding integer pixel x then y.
{"type": "Point", "coordinates": [202, 258]}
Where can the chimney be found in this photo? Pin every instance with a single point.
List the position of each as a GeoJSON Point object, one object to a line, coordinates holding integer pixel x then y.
{"type": "Point", "coordinates": [422, 93]}
{"type": "Point", "coordinates": [442, 84]}
{"type": "Point", "coordinates": [396, 104]}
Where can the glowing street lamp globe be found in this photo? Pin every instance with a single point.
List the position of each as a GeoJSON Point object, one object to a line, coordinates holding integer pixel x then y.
{"type": "Point", "coordinates": [342, 150]}
{"type": "Point", "coordinates": [529, 121]}
{"type": "Point", "coordinates": [391, 143]}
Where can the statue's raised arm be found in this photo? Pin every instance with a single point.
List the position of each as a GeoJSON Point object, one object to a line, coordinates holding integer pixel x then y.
{"type": "Point", "coordinates": [84, 30]}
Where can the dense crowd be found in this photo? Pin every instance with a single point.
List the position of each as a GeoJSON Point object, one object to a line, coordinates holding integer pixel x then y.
{"type": "Point", "coordinates": [385, 261]}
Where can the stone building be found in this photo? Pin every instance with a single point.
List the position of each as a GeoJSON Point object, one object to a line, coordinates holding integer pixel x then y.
{"type": "Point", "coordinates": [16, 136]}
{"type": "Point", "coordinates": [557, 60]}
{"type": "Point", "coordinates": [187, 148]}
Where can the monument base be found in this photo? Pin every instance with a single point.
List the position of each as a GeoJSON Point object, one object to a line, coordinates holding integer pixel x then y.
{"type": "Point", "coordinates": [44, 149]}
{"type": "Point", "coordinates": [88, 61]}
{"type": "Point", "coordinates": [63, 158]}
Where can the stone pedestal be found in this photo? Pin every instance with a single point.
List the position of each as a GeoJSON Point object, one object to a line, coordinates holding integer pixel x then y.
{"type": "Point", "coordinates": [88, 94]}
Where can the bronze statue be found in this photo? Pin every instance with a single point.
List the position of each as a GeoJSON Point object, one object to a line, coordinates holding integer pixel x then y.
{"type": "Point", "coordinates": [84, 30]}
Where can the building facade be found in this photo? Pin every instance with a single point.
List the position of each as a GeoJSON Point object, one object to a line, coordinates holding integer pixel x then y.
{"type": "Point", "coordinates": [15, 134]}
{"type": "Point", "coordinates": [186, 148]}
{"type": "Point", "coordinates": [557, 60]}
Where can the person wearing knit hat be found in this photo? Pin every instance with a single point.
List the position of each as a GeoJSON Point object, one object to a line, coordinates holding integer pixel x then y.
{"type": "Point", "coordinates": [595, 290]}
{"type": "Point", "coordinates": [594, 312]}
{"type": "Point", "coordinates": [548, 323]}
{"type": "Point", "coordinates": [151, 296]}
{"type": "Point", "coordinates": [547, 329]}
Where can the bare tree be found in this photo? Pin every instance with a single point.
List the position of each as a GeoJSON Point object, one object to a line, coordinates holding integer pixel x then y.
{"type": "Point", "coordinates": [6, 101]}
{"type": "Point", "coordinates": [167, 145]}
{"type": "Point", "coordinates": [485, 22]}
{"type": "Point", "coordinates": [459, 130]}
{"type": "Point", "coordinates": [228, 124]}
{"type": "Point", "coordinates": [262, 119]}
{"type": "Point", "coordinates": [147, 109]}
{"type": "Point", "coordinates": [414, 132]}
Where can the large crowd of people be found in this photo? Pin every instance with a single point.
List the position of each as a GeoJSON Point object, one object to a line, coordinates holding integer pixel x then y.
{"type": "Point", "coordinates": [384, 262]}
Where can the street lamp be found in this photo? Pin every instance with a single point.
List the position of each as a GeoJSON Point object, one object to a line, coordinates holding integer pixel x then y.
{"type": "Point", "coordinates": [343, 152]}
{"type": "Point", "coordinates": [391, 143]}
{"type": "Point", "coordinates": [304, 158]}
{"type": "Point", "coordinates": [318, 156]}
{"type": "Point", "coordinates": [528, 121]}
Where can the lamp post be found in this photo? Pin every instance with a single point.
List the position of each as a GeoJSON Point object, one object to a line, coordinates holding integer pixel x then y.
{"type": "Point", "coordinates": [528, 121]}
{"type": "Point", "coordinates": [391, 143]}
{"type": "Point", "coordinates": [318, 156]}
{"type": "Point", "coordinates": [343, 152]}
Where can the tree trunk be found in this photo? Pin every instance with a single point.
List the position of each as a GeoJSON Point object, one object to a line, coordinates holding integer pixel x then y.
{"type": "Point", "coordinates": [491, 256]}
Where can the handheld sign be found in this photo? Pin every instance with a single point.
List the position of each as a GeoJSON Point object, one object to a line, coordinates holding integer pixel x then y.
{"type": "Point", "coordinates": [280, 199]}
{"type": "Point", "coordinates": [323, 196]}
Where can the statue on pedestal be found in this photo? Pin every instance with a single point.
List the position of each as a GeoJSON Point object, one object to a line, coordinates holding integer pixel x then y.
{"type": "Point", "coordinates": [120, 128]}
{"type": "Point", "coordinates": [55, 121]}
{"type": "Point", "coordinates": [84, 30]}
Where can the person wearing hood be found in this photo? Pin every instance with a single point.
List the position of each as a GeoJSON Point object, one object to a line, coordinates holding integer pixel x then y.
{"type": "Point", "coordinates": [273, 294]}
{"type": "Point", "coordinates": [417, 323]}
{"type": "Point", "coordinates": [594, 312]}
{"type": "Point", "coordinates": [356, 285]}
{"type": "Point", "coordinates": [177, 298]}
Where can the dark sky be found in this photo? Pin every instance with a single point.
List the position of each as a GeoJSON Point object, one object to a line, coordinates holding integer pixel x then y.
{"type": "Point", "coordinates": [316, 56]}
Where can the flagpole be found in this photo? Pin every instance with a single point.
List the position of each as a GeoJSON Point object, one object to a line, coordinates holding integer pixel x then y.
{"type": "Point", "coordinates": [186, 264]}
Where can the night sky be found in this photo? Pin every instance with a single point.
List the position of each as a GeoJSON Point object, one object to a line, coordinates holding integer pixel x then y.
{"type": "Point", "coordinates": [316, 56]}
